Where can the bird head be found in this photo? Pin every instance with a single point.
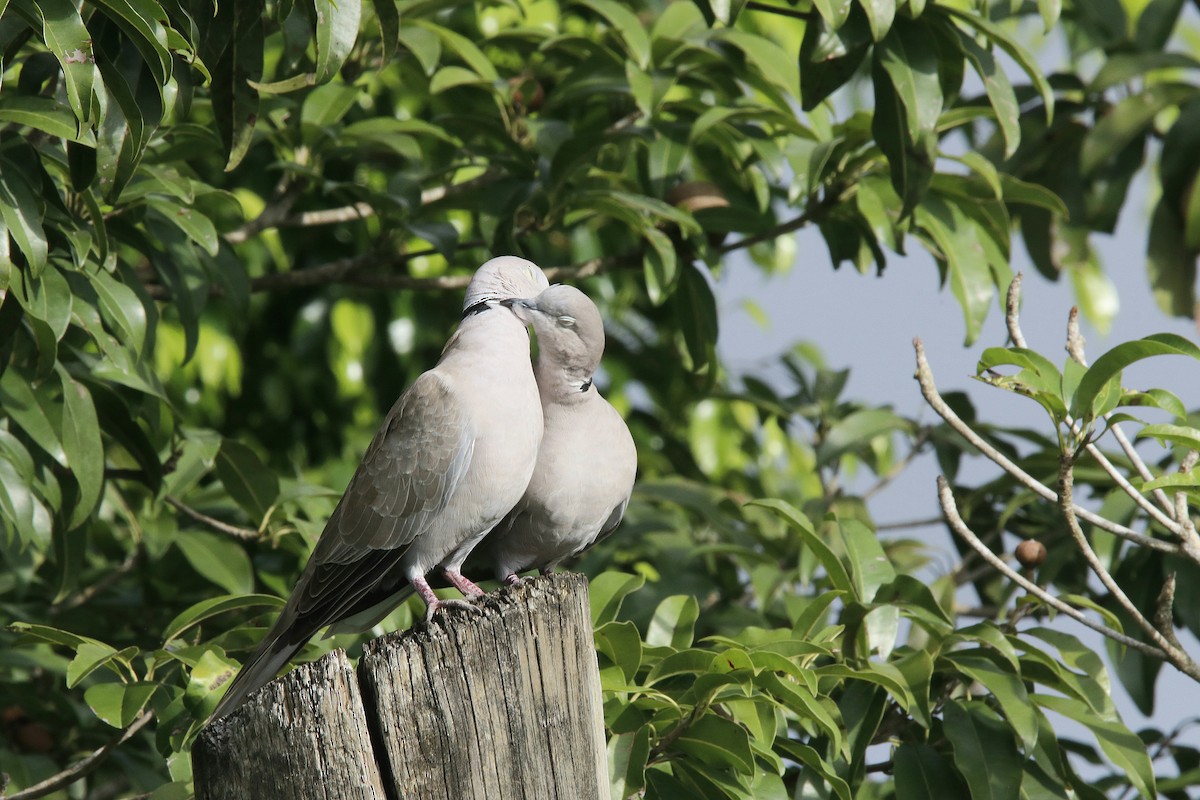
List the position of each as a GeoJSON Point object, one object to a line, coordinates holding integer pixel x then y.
{"type": "Point", "coordinates": [570, 332]}
{"type": "Point", "coordinates": [502, 278]}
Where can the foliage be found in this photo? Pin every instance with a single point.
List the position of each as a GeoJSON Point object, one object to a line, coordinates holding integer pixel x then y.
{"type": "Point", "coordinates": [201, 203]}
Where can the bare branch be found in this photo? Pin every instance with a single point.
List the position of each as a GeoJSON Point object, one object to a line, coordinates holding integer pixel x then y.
{"type": "Point", "coordinates": [82, 767]}
{"type": "Point", "coordinates": [1187, 528]}
{"type": "Point", "coordinates": [1013, 311]}
{"type": "Point", "coordinates": [929, 390]}
{"type": "Point", "coordinates": [946, 498]}
{"type": "Point", "coordinates": [247, 534]}
{"type": "Point", "coordinates": [1172, 654]}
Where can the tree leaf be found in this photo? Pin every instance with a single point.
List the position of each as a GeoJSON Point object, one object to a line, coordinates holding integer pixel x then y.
{"type": "Point", "coordinates": [206, 609]}
{"type": "Point", "coordinates": [68, 39]}
{"type": "Point", "coordinates": [1126, 750]}
{"type": "Point", "coordinates": [337, 30]}
{"type": "Point", "coordinates": [1126, 120]}
{"type": "Point", "coordinates": [922, 772]}
{"type": "Point", "coordinates": [984, 751]}
{"type": "Point", "coordinates": [674, 622]}
{"type": "Point", "coordinates": [856, 432]}
{"type": "Point", "coordinates": [607, 590]}
{"type": "Point", "coordinates": [999, 91]}
{"type": "Point", "coordinates": [834, 568]}
{"type": "Point", "coordinates": [82, 446]}
{"type": "Point", "coordinates": [22, 210]}
{"type": "Point", "coordinates": [118, 704]}
{"type": "Point", "coordinates": [45, 114]}
{"type": "Point", "coordinates": [1003, 680]}
{"type": "Point", "coordinates": [1108, 367]}
{"type": "Point", "coordinates": [247, 479]}
{"type": "Point", "coordinates": [219, 558]}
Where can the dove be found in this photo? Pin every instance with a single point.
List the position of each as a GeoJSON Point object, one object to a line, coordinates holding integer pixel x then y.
{"type": "Point", "coordinates": [452, 457]}
{"type": "Point", "coordinates": [587, 460]}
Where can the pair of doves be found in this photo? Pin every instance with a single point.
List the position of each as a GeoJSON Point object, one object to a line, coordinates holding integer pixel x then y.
{"type": "Point", "coordinates": [485, 442]}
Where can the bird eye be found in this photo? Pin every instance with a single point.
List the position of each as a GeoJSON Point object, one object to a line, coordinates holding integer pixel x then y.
{"type": "Point", "coordinates": [566, 321]}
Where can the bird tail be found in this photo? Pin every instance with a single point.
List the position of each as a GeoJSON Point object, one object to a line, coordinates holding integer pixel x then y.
{"type": "Point", "coordinates": [268, 658]}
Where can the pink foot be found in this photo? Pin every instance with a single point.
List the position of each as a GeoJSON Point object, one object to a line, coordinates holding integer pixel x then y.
{"type": "Point", "coordinates": [433, 602]}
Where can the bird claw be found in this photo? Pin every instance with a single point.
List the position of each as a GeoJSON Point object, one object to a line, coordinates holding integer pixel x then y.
{"type": "Point", "coordinates": [516, 580]}
{"type": "Point", "coordinates": [464, 605]}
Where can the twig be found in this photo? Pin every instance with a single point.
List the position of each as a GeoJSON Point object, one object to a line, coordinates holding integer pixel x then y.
{"type": "Point", "coordinates": [82, 767]}
{"type": "Point", "coordinates": [1187, 528]}
{"type": "Point", "coordinates": [909, 523]}
{"type": "Point", "coordinates": [929, 390]}
{"type": "Point", "coordinates": [246, 534]}
{"type": "Point", "coordinates": [88, 592]}
{"type": "Point", "coordinates": [1172, 654]}
{"type": "Point", "coordinates": [946, 498]}
{"type": "Point", "coordinates": [1012, 311]}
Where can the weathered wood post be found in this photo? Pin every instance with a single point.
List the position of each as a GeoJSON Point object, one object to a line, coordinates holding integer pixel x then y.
{"type": "Point", "coordinates": [501, 704]}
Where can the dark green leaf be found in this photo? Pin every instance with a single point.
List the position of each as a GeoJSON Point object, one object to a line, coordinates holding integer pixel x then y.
{"type": "Point", "coordinates": [219, 558]}
{"type": "Point", "coordinates": [247, 480]}
{"type": "Point", "coordinates": [82, 446]}
{"type": "Point", "coordinates": [984, 751]}
{"type": "Point", "coordinates": [213, 606]}
{"type": "Point", "coordinates": [922, 773]}
{"type": "Point", "coordinates": [1108, 367]}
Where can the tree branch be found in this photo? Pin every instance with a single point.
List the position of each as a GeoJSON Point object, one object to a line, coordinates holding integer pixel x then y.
{"type": "Point", "coordinates": [246, 534]}
{"type": "Point", "coordinates": [1171, 653]}
{"type": "Point", "coordinates": [929, 390]}
{"type": "Point", "coordinates": [82, 767]}
{"type": "Point", "coordinates": [946, 498]}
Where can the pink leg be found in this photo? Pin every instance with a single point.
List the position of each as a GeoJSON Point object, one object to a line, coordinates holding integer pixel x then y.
{"type": "Point", "coordinates": [433, 602]}
{"type": "Point", "coordinates": [514, 580]}
{"type": "Point", "coordinates": [469, 589]}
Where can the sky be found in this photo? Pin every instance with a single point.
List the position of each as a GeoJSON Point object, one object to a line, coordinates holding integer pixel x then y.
{"type": "Point", "coordinates": [867, 323]}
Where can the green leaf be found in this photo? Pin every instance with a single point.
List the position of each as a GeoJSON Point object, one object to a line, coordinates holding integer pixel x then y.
{"type": "Point", "coordinates": [22, 209]}
{"type": "Point", "coordinates": [911, 66]}
{"type": "Point", "coordinates": [1050, 11]}
{"type": "Point", "coordinates": [621, 644]}
{"type": "Point", "coordinates": [880, 14]}
{"type": "Point", "coordinates": [834, 568]}
{"type": "Point", "coordinates": [1107, 368]}
{"type": "Point", "coordinates": [1004, 681]}
{"type": "Point", "coordinates": [856, 431]}
{"type": "Point", "coordinates": [999, 91]}
{"type": "Point", "coordinates": [830, 56]}
{"type": "Point", "coordinates": [247, 479]}
{"type": "Point", "coordinates": [219, 558]}
{"type": "Point", "coordinates": [231, 46]}
{"type": "Point", "coordinates": [627, 26]}
{"type": "Point", "coordinates": [213, 606]}
{"type": "Point", "coordinates": [45, 114]}
{"type": "Point", "coordinates": [659, 265]}
{"type": "Point", "coordinates": [718, 741]}
{"type": "Point", "coordinates": [984, 750]}
{"type": "Point", "coordinates": [1125, 748]}
{"type": "Point", "coordinates": [1171, 267]}
{"type": "Point", "coordinates": [194, 225]}
{"type": "Point", "coordinates": [122, 310]}
{"type": "Point", "coordinates": [696, 315]}
{"type": "Point", "coordinates": [922, 773]}
{"type": "Point", "coordinates": [958, 240]}
{"type": "Point", "coordinates": [118, 704]}
{"type": "Point", "coordinates": [1126, 120]}
{"type": "Point", "coordinates": [607, 590]}
{"type": "Point", "coordinates": [337, 30]}
{"type": "Point", "coordinates": [139, 19]}
{"type": "Point", "coordinates": [82, 446]}
{"type": "Point", "coordinates": [834, 12]}
{"type": "Point", "coordinates": [389, 26]}
{"type": "Point", "coordinates": [674, 622]}
{"type": "Point", "coordinates": [627, 757]}
{"type": "Point", "coordinates": [1009, 45]}
{"type": "Point", "coordinates": [68, 39]}
{"type": "Point", "coordinates": [1176, 434]}
{"type": "Point", "coordinates": [89, 657]}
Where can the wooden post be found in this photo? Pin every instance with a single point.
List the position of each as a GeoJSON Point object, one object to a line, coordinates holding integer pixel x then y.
{"type": "Point", "coordinates": [302, 736]}
{"type": "Point", "coordinates": [501, 704]}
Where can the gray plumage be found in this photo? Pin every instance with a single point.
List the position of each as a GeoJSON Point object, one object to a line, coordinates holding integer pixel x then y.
{"type": "Point", "coordinates": [587, 461]}
{"type": "Point", "coordinates": [452, 457]}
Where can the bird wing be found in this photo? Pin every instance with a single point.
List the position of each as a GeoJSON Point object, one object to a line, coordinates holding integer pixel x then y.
{"type": "Point", "coordinates": [407, 476]}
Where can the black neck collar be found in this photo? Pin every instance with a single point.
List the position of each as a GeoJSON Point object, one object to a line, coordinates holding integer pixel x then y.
{"type": "Point", "coordinates": [583, 387]}
{"type": "Point", "coordinates": [478, 308]}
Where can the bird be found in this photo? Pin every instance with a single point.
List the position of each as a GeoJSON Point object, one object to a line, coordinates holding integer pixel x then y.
{"type": "Point", "coordinates": [587, 461]}
{"type": "Point", "coordinates": [451, 458]}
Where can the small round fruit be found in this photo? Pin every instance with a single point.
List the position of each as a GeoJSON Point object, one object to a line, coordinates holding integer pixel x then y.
{"type": "Point", "coordinates": [1031, 553]}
